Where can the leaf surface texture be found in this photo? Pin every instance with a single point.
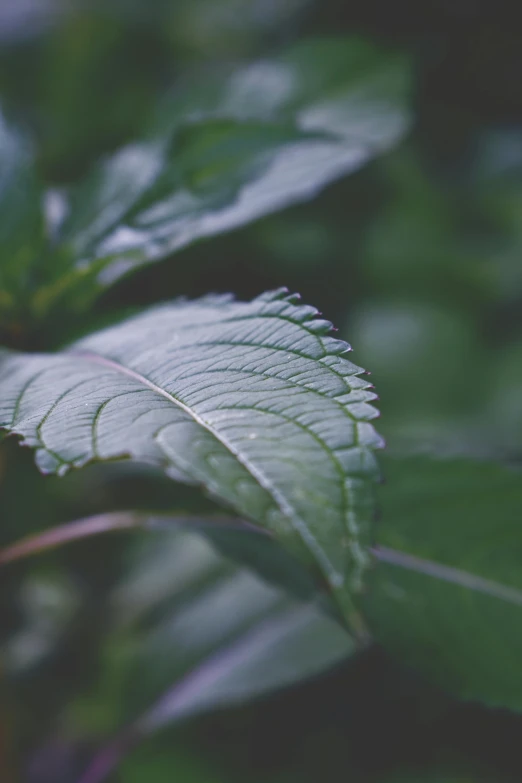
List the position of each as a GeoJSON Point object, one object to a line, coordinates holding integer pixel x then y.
{"type": "Point", "coordinates": [254, 401]}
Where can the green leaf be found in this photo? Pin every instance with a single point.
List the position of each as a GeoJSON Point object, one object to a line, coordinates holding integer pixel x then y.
{"type": "Point", "coordinates": [231, 635]}
{"type": "Point", "coordinates": [229, 151]}
{"type": "Point", "coordinates": [195, 632]}
{"type": "Point", "coordinates": [254, 401]}
{"type": "Point", "coordinates": [21, 227]}
{"type": "Point", "coordinates": [159, 765]}
{"type": "Point", "coordinates": [447, 594]}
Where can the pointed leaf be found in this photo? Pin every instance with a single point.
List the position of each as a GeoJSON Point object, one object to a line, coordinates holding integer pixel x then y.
{"type": "Point", "coordinates": [229, 151]}
{"type": "Point", "coordinates": [251, 400]}
{"type": "Point", "coordinates": [447, 594]}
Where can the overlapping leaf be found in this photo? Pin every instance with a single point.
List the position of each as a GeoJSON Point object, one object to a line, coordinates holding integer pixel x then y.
{"type": "Point", "coordinates": [193, 633]}
{"type": "Point", "coordinates": [447, 594]}
{"type": "Point", "coordinates": [274, 133]}
{"type": "Point", "coordinates": [254, 401]}
{"type": "Point", "coordinates": [226, 151]}
{"type": "Point", "coordinates": [225, 635]}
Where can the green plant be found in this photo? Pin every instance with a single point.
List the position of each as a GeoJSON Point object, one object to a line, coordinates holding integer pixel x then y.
{"type": "Point", "coordinates": [256, 404]}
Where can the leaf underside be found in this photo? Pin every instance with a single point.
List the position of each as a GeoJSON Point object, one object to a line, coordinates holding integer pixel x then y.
{"type": "Point", "coordinates": [254, 401]}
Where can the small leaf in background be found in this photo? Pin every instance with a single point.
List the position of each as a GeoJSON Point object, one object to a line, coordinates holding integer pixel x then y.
{"type": "Point", "coordinates": [195, 632]}
{"type": "Point", "coordinates": [446, 595]}
{"type": "Point", "coordinates": [272, 134]}
{"type": "Point", "coordinates": [253, 401]}
{"type": "Point", "coordinates": [231, 635]}
{"type": "Point", "coordinates": [220, 155]}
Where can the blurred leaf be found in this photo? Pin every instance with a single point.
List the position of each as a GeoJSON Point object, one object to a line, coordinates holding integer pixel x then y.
{"type": "Point", "coordinates": [499, 155]}
{"type": "Point", "coordinates": [501, 203]}
{"type": "Point", "coordinates": [21, 19]}
{"type": "Point", "coordinates": [165, 766]}
{"type": "Point", "coordinates": [47, 604]}
{"type": "Point", "coordinates": [247, 635]}
{"type": "Point", "coordinates": [21, 227]}
{"type": "Point", "coordinates": [432, 351]}
{"type": "Point", "coordinates": [196, 632]}
{"type": "Point", "coordinates": [229, 28]}
{"type": "Point", "coordinates": [505, 399]}
{"type": "Point", "coordinates": [447, 596]}
{"type": "Point", "coordinates": [253, 401]}
{"type": "Point", "coordinates": [92, 92]}
{"type": "Point", "coordinates": [226, 153]}
{"type": "Point", "coordinates": [420, 245]}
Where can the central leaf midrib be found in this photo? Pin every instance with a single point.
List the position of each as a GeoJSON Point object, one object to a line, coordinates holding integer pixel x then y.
{"type": "Point", "coordinates": [285, 508]}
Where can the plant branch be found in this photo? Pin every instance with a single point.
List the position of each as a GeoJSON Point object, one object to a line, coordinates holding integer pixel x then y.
{"type": "Point", "coordinates": [445, 573]}
{"type": "Point", "coordinates": [110, 523]}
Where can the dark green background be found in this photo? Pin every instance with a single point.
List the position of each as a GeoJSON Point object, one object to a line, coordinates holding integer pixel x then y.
{"type": "Point", "coordinates": [416, 258]}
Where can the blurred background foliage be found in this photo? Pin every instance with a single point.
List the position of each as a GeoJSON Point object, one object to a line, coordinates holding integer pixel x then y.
{"type": "Point", "coordinates": [417, 259]}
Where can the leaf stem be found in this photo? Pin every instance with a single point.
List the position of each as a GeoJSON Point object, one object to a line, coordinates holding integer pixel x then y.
{"type": "Point", "coordinates": [110, 756]}
{"type": "Point", "coordinates": [109, 523]}
{"type": "Point", "coordinates": [64, 534]}
{"type": "Point", "coordinates": [448, 574]}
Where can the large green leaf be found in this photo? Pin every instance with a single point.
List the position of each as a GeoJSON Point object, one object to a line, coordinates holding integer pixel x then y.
{"type": "Point", "coordinates": [447, 594]}
{"type": "Point", "coordinates": [251, 400]}
{"type": "Point", "coordinates": [228, 151]}
{"type": "Point", "coordinates": [21, 224]}
{"type": "Point", "coordinates": [194, 632]}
